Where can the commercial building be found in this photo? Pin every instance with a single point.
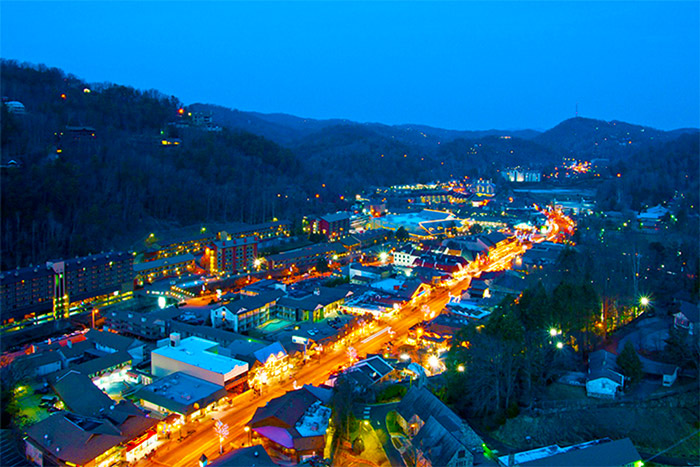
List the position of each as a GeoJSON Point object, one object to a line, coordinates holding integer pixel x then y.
{"type": "Point", "coordinates": [294, 426]}
{"type": "Point", "coordinates": [304, 259]}
{"type": "Point", "coordinates": [149, 271]}
{"type": "Point", "coordinates": [41, 293]}
{"type": "Point", "coordinates": [181, 394]}
{"type": "Point", "coordinates": [246, 311]}
{"type": "Point", "coordinates": [231, 256]}
{"type": "Point", "coordinates": [331, 225]}
{"type": "Point", "coordinates": [199, 358]}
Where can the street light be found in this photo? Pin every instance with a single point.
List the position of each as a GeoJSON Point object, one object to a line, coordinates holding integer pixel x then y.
{"type": "Point", "coordinates": [560, 345]}
{"type": "Point", "coordinates": [644, 301]}
{"type": "Point", "coordinates": [460, 368]}
{"type": "Point", "coordinates": [553, 332]}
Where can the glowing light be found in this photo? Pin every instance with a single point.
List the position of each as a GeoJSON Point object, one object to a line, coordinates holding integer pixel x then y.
{"type": "Point", "coordinates": [181, 111]}
{"type": "Point", "coordinates": [161, 302]}
{"type": "Point", "coordinates": [560, 345]}
{"type": "Point", "coordinates": [433, 361]}
{"type": "Point", "coordinates": [460, 368]}
{"type": "Point", "coordinates": [644, 301]}
{"type": "Point", "coordinates": [553, 332]}
{"type": "Point", "coordinates": [405, 357]}
{"type": "Point", "coordinates": [87, 91]}
{"type": "Point", "coordinates": [63, 96]}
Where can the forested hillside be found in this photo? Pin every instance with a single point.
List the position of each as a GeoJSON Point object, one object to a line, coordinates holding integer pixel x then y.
{"type": "Point", "coordinates": [102, 164]}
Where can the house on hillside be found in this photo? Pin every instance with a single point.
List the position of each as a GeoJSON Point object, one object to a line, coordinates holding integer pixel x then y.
{"type": "Point", "coordinates": [687, 318]}
{"type": "Point", "coordinates": [604, 379]}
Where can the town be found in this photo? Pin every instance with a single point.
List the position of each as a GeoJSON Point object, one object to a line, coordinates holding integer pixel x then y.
{"type": "Point", "coordinates": [257, 345]}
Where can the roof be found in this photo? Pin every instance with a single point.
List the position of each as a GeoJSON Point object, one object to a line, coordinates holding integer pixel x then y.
{"type": "Point", "coordinates": [253, 456]}
{"type": "Point", "coordinates": [439, 445]}
{"type": "Point", "coordinates": [179, 259]}
{"type": "Point", "coordinates": [422, 402]}
{"type": "Point", "coordinates": [335, 217]}
{"type": "Point", "coordinates": [284, 411]}
{"type": "Point", "coordinates": [603, 364]}
{"type": "Point", "coordinates": [253, 302]}
{"type": "Point", "coordinates": [179, 392]}
{"type": "Point", "coordinates": [74, 438]}
{"type": "Point", "coordinates": [106, 362]}
{"type": "Point", "coordinates": [37, 360]}
{"type": "Point", "coordinates": [80, 395]}
{"type": "Point", "coordinates": [79, 439]}
{"type": "Point", "coordinates": [369, 371]}
{"type": "Point", "coordinates": [690, 311]}
{"type": "Point", "coordinates": [312, 301]}
{"type": "Point", "coordinates": [195, 351]}
{"type": "Point", "coordinates": [612, 453]}
{"type": "Point", "coordinates": [262, 355]}
{"type": "Point", "coordinates": [112, 340]}
{"type": "Point", "coordinates": [235, 242]}
{"type": "Point", "coordinates": [319, 249]}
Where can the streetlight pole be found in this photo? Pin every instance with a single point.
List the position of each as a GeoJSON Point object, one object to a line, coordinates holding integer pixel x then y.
{"type": "Point", "coordinates": [221, 429]}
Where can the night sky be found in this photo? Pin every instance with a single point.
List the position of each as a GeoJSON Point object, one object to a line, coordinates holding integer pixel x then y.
{"type": "Point", "coordinates": [460, 65]}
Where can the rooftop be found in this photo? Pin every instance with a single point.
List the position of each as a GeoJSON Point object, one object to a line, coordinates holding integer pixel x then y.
{"type": "Point", "coordinates": [179, 392]}
{"type": "Point", "coordinates": [195, 351]}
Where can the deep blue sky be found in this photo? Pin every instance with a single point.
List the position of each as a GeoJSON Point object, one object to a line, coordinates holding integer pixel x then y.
{"type": "Point", "coordinates": [462, 65]}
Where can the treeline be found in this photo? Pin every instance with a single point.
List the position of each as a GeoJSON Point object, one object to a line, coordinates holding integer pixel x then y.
{"type": "Point", "coordinates": [523, 346]}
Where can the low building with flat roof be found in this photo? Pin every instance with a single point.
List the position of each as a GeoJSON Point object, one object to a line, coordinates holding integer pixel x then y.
{"type": "Point", "coordinates": [199, 358]}
{"type": "Point", "coordinates": [182, 394]}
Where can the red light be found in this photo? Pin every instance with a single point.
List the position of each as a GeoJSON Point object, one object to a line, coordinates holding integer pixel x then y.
{"type": "Point", "coordinates": [63, 96]}
{"type": "Point", "coordinates": [181, 111]}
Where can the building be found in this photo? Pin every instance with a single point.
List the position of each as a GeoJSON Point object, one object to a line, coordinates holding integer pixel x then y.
{"type": "Point", "coordinates": [438, 434]}
{"type": "Point", "coordinates": [252, 456]}
{"type": "Point", "coordinates": [42, 293]}
{"type": "Point", "coordinates": [120, 435]}
{"type": "Point", "coordinates": [688, 317]}
{"type": "Point", "coordinates": [149, 271]}
{"type": "Point", "coordinates": [195, 239]}
{"type": "Point", "coordinates": [604, 379]}
{"type": "Point", "coordinates": [522, 175]}
{"type": "Point", "coordinates": [306, 258]}
{"type": "Point", "coordinates": [199, 358]}
{"type": "Point", "coordinates": [231, 256]}
{"type": "Point", "coordinates": [294, 425]}
{"type": "Point", "coordinates": [15, 107]}
{"type": "Point", "coordinates": [370, 371]}
{"type": "Point", "coordinates": [246, 311]}
{"type": "Point", "coordinates": [314, 306]}
{"type": "Point", "coordinates": [112, 342]}
{"type": "Point", "coordinates": [332, 226]}
{"type": "Point", "coordinates": [597, 453]}
{"type": "Point", "coordinates": [180, 393]}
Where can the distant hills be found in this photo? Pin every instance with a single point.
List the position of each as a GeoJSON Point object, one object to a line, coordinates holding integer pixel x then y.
{"type": "Point", "coordinates": [575, 137]}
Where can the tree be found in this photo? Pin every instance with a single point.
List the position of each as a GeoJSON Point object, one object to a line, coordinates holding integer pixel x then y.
{"type": "Point", "coordinates": [476, 229]}
{"type": "Point", "coordinates": [401, 234]}
{"type": "Point", "coordinates": [322, 265]}
{"type": "Point", "coordinates": [629, 363]}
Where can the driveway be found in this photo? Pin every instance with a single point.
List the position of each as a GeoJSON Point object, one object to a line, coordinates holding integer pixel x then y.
{"type": "Point", "coordinates": [376, 415]}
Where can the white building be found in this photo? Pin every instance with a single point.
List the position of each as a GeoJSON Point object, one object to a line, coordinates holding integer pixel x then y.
{"type": "Point", "coordinates": [199, 358]}
{"type": "Point", "coordinates": [405, 258]}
